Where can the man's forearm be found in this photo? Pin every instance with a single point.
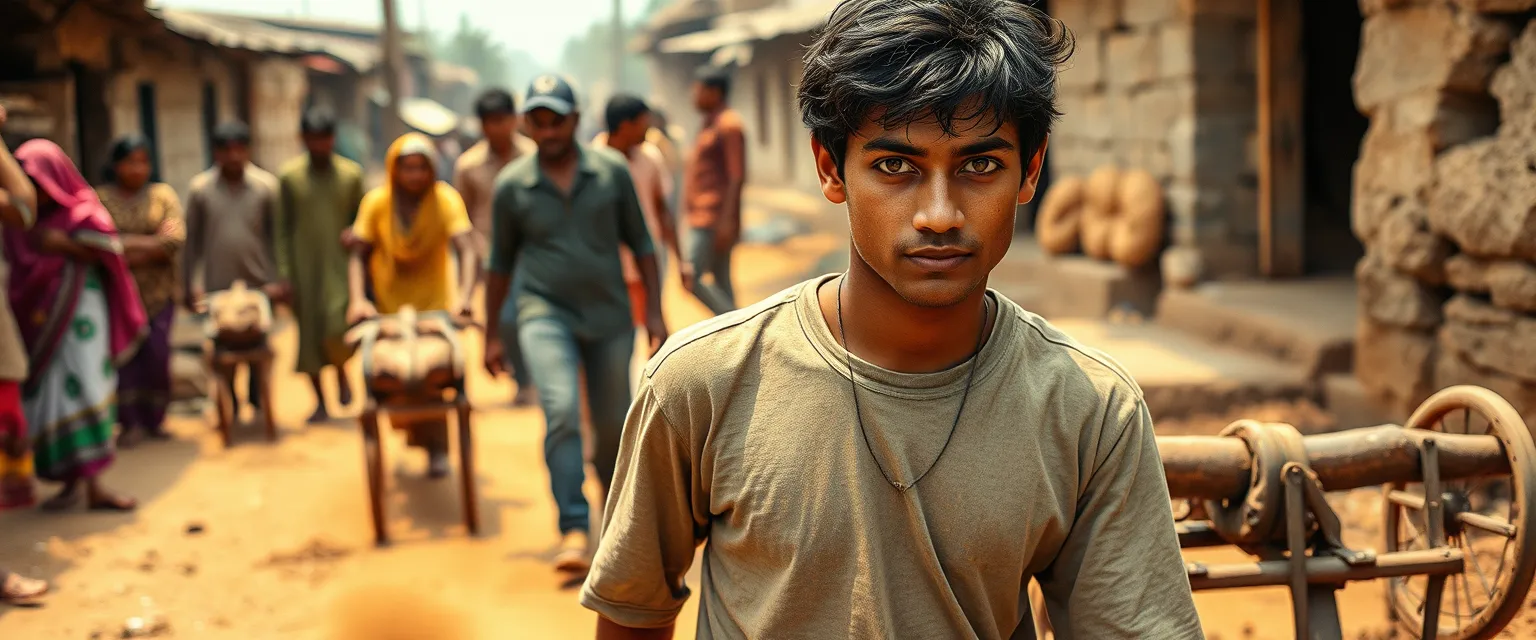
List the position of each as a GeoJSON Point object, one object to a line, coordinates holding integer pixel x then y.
{"type": "Point", "coordinates": [651, 276]}
{"type": "Point", "coordinates": [496, 286]}
{"type": "Point", "coordinates": [357, 276]}
{"type": "Point", "coordinates": [610, 630]}
{"type": "Point", "coordinates": [732, 213]}
{"type": "Point", "coordinates": [16, 192]}
{"type": "Point", "coordinates": [469, 271]}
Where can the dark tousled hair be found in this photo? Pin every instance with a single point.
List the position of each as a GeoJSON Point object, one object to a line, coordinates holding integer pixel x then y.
{"type": "Point", "coordinates": [122, 148]}
{"type": "Point", "coordinates": [233, 132]}
{"type": "Point", "coordinates": [495, 102]}
{"type": "Point", "coordinates": [623, 108]}
{"type": "Point", "coordinates": [954, 60]}
{"type": "Point", "coordinates": [318, 121]}
{"type": "Point", "coordinates": [714, 77]}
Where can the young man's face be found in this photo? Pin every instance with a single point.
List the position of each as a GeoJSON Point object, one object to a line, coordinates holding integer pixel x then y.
{"type": "Point", "coordinates": [631, 132]}
{"type": "Point", "coordinates": [705, 97]}
{"type": "Point", "coordinates": [498, 128]}
{"type": "Point", "coordinates": [554, 133]}
{"type": "Point", "coordinates": [232, 157]}
{"type": "Point", "coordinates": [932, 214]}
{"type": "Point", "coordinates": [414, 174]}
{"type": "Point", "coordinates": [319, 144]}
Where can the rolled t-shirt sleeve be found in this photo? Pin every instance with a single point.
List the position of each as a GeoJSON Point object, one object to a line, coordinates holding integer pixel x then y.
{"type": "Point", "coordinates": [652, 524]}
{"type": "Point", "coordinates": [504, 228]}
{"type": "Point", "coordinates": [1120, 573]}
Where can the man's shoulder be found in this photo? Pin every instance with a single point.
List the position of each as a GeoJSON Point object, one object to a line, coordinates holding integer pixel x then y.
{"type": "Point", "coordinates": [731, 119]}
{"type": "Point", "coordinates": [713, 351]}
{"type": "Point", "coordinates": [607, 158]}
{"type": "Point", "coordinates": [293, 167]}
{"type": "Point", "coordinates": [202, 181]}
{"type": "Point", "coordinates": [347, 168]}
{"type": "Point", "coordinates": [472, 157]}
{"type": "Point", "coordinates": [260, 176]}
{"type": "Point", "coordinates": [1067, 361]}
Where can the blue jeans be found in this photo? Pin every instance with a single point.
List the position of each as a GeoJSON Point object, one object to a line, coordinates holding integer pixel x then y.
{"type": "Point", "coordinates": [711, 271]}
{"type": "Point", "coordinates": [511, 342]}
{"type": "Point", "coordinates": [559, 357]}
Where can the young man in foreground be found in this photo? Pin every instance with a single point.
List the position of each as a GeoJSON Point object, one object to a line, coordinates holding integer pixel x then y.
{"type": "Point", "coordinates": [896, 451]}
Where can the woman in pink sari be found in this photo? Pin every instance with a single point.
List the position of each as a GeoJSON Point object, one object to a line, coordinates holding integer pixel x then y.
{"type": "Point", "coordinates": [81, 319]}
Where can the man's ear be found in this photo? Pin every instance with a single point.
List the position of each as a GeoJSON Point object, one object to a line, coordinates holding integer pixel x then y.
{"type": "Point", "coordinates": [1032, 173]}
{"type": "Point", "coordinates": [826, 168]}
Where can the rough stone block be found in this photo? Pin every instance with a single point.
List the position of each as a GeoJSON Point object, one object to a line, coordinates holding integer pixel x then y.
{"type": "Point", "coordinates": [1399, 164]}
{"type": "Point", "coordinates": [1485, 199]}
{"type": "Point", "coordinates": [1086, 67]}
{"type": "Point", "coordinates": [1084, 15]}
{"type": "Point", "coordinates": [1448, 119]}
{"type": "Point", "coordinates": [1496, 6]}
{"type": "Point", "coordinates": [1371, 209]}
{"type": "Point", "coordinates": [1514, 85]}
{"type": "Point", "coordinates": [1131, 59]}
{"type": "Point", "coordinates": [1220, 147]}
{"type": "Point", "coordinates": [1396, 299]}
{"type": "Point", "coordinates": [1426, 48]}
{"type": "Point", "coordinates": [1490, 337]}
{"type": "Point", "coordinates": [1395, 365]}
{"type": "Point", "coordinates": [1406, 244]}
{"type": "Point", "coordinates": [1176, 50]}
{"type": "Point", "coordinates": [1160, 106]}
{"type": "Point", "coordinates": [1512, 285]}
{"type": "Point", "coordinates": [1372, 7]}
{"type": "Point", "coordinates": [1467, 273]}
{"type": "Point", "coordinates": [1241, 9]}
{"type": "Point", "coordinates": [1453, 369]}
{"type": "Point", "coordinates": [1142, 13]}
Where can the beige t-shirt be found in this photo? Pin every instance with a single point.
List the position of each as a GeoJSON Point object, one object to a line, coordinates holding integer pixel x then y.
{"type": "Point", "coordinates": [744, 435]}
{"type": "Point", "coordinates": [649, 171]}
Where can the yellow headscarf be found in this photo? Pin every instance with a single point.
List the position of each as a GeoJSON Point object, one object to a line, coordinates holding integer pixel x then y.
{"type": "Point", "coordinates": [402, 257]}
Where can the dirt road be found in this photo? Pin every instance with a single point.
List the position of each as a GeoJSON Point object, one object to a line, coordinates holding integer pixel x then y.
{"type": "Point", "coordinates": [273, 541]}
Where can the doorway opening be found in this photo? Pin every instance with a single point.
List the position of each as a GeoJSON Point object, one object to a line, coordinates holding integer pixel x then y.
{"type": "Point", "coordinates": [1333, 129]}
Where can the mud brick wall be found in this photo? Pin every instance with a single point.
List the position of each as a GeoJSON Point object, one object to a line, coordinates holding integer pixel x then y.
{"type": "Point", "coordinates": [1168, 86]}
{"type": "Point", "coordinates": [1445, 200]}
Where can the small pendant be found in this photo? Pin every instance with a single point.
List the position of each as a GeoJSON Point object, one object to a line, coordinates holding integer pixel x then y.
{"type": "Point", "coordinates": [902, 488]}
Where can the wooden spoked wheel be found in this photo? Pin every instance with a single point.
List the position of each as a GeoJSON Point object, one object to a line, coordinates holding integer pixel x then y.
{"type": "Point", "coordinates": [1490, 519]}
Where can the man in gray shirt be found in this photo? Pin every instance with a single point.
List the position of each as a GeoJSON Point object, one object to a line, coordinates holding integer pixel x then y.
{"type": "Point", "coordinates": [229, 224]}
{"type": "Point", "coordinates": [558, 218]}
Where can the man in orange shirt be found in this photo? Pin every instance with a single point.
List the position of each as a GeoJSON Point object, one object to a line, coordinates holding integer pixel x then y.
{"type": "Point", "coordinates": [717, 169]}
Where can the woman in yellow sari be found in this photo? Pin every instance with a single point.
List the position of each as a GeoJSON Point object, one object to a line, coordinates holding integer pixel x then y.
{"type": "Point", "coordinates": [404, 232]}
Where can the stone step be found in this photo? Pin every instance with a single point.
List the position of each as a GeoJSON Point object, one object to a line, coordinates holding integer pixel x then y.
{"type": "Point", "coordinates": [1182, 375]}
{"type": "Point", "coordinates": [1308, 322]}
{"type": "Point", "coordinates": [1075, 286]}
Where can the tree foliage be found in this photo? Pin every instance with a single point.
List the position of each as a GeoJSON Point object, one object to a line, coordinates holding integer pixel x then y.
{"type": "Point", "coordinates": [474, 47]}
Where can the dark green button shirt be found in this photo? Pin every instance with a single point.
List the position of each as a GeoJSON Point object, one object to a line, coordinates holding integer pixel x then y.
{"type": "Point", "coordinates": [562, 250]}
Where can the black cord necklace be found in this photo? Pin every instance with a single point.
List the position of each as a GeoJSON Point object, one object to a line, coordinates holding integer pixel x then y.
{"type": "Point", "coordinates": [970, 377]}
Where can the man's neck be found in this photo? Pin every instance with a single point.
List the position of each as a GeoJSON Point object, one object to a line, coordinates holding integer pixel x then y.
{"type": "Point", "coordinates": [894, 334]}
{"type": "Point", "coordinates": [561, 163]}
{"type": "Point", "coordinates": [502, 149]}
{"type": "Point", "coordinates": [232, 177]}
{"type": "Point", "coordinates": [320, 162]}
{"type": "Point", "coordinates": [622, 146]}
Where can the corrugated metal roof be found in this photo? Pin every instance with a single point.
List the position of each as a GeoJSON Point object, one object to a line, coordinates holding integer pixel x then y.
{"type": "Point", "coordinates": [354, 45]}
{"type": "Point", "coordinates": [752, 26]}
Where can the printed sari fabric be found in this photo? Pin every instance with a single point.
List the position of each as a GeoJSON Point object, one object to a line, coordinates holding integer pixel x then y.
{"type": "Point", "coordinates": [72, 406]}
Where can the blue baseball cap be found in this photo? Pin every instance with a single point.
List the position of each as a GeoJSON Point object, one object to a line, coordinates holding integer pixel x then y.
{"type": "Point", "coordinates": [550, 92]}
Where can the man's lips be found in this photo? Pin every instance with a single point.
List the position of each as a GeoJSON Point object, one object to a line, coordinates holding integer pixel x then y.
{"type": "Point", "coordinates": [938, 258]}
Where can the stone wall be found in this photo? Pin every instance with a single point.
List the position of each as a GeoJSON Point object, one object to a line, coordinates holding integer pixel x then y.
{"type": "Point", "coordinates": [1168, 86]}
{"type": "Point", "coordinates": [1445, 200]}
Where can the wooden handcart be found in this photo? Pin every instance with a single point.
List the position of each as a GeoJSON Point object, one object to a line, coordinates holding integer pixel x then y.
{"type": "Point", "coordinates": [413, 366]}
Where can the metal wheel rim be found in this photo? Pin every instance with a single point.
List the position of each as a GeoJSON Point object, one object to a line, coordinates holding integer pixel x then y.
{"type": "Point", "coordinates": [1513, 585]}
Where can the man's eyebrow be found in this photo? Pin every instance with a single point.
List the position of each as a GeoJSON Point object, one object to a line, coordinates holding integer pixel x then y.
{"type": "Point", "coordinates": [983, 146]}
{"type": "Point", "coordinates": [894, 146]}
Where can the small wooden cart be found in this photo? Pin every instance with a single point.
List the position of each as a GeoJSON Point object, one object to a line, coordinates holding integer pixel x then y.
{"type": "Point", "coordinates": [238, 324]}
{"type": "Point", "coordinates": [413, 366]}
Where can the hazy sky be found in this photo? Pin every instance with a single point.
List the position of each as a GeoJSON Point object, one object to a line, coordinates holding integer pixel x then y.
{"type": "Point", "coordinates": [539, 27]}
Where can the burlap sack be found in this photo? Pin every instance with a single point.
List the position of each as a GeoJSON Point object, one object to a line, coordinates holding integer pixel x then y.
{"type": "Point", "coordinates": [1058, 226]}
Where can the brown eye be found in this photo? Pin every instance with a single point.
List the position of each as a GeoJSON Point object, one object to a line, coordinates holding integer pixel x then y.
{"type": "Point", "coordinates": [982, 165]}
{"type": "Point", "coordinates": [893, 166]}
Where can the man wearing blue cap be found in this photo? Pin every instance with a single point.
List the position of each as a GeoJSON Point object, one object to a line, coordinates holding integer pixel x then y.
{"type": "Point", "coordinates": [558, 218]}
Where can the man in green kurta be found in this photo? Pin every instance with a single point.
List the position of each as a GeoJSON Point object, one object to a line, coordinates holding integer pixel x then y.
{"type": "Point", "coordinates": [321, 192]}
